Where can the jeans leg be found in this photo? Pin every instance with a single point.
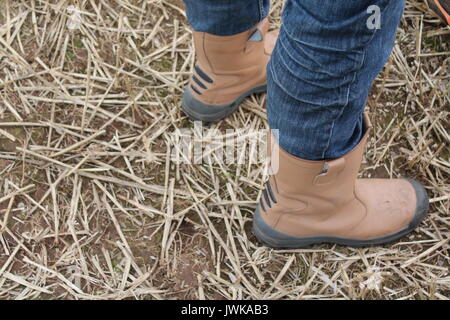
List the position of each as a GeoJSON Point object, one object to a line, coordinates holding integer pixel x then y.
{"type": "Point", "coordinates": [225, 17]}
{"type": "Point", "coordinates": [327, 56]}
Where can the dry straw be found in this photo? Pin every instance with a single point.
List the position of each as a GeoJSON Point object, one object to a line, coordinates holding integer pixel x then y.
{"type": "Point", "coordinates": [93, 207]}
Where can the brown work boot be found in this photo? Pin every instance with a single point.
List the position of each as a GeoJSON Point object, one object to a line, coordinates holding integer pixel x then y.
{"type": "Point", "coordinates": [441, 8]}
{"type": "Point", "coordinates": [228, 69]}
{"type": "Point", "coordinates": [312, 202]}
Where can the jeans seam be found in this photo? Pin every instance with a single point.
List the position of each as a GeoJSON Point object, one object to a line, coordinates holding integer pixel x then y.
{"type": "Point", "coordinates": [349, 89]}
{"type": "Point", "coordinates": [342, 109]}
{"type": "Point", "coordinates": [261, 10]}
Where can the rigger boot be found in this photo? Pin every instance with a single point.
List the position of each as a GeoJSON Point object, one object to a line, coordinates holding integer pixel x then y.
{"type": "Point", "coordinates": [227, 70]}
{"type": "Point", "coordinates": [312, 202]}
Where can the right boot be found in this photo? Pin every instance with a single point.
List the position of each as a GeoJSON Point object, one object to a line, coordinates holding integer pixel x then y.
{"type": "Point", "coordinates": [227, 70]}
{"type": "Point", "coordinates": [312, 202]}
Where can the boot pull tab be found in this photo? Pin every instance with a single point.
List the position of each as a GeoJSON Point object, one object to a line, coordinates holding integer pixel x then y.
{"type": "Point", "coordinates": [256, 36]}
{"type": "Point", "coordinates": [255, 39]}
{"type": "Point", "coordinates": [330, 171]}
{"type": "Point", "coordinates": [325, 169]}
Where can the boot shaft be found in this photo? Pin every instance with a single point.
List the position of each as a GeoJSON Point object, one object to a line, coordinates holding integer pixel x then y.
{"type": "Point", "coordinates": [227, 55]}
{"type": "Point", "coordinates": [326, 183]}
{"type": "Point", "coordinates": [230, 67]}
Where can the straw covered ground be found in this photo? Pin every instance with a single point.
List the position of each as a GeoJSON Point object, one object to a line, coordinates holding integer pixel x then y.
{"type": "Point", "coordinates": [92, 206]}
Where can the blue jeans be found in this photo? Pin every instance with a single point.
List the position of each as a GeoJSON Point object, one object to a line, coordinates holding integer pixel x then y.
{"type": "Point", "coordinates": [225, 17]}
{"type": "Point", "coordinates": [325, 60]}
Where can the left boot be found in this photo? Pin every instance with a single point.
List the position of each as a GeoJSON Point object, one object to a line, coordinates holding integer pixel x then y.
{"type": "Point", "coordinates": [227, 70]}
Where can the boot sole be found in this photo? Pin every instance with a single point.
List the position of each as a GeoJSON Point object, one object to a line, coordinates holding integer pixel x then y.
{"type": "Point", "coordinates": [196, 110]}
{"type": "Point", "coordinates": [278, 240]}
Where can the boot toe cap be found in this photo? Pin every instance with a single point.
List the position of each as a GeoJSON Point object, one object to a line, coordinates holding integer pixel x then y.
{"type": "Point", "coordinates": [422, 203]}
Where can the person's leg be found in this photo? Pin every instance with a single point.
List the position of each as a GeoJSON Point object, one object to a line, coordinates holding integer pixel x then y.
{"type": "Point", "coordinates": [321, 70]}
{"type": "Point", "coordinates": [225, 17]}
{"type": "Point", "coordinates": [233, 47]}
